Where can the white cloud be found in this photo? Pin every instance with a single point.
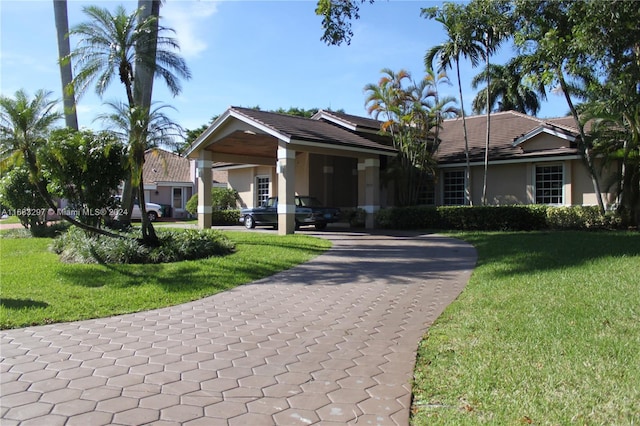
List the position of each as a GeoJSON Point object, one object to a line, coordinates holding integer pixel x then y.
{"type": "Point", "coordinates": [186, 18]}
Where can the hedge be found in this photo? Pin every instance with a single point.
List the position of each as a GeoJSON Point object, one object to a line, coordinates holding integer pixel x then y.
{"type": "Point", "coordinates": [495, 218]}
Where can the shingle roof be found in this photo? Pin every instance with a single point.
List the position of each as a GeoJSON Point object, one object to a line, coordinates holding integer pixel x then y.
{"type": "Point", "coordinates": [505, 128]}
{"type": "Point", "coordinates": [165, 166]}
{"type": "Point", "coordinates": [306, 129]}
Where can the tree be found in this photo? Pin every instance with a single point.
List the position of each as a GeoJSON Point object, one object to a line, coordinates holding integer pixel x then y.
{"type": "Point", "coordinates": [460, 44]}
{"type": "Point", "coordinates": [25, 125]}
{"type": "Point", "coordinates": [66, 75]}
{"type": "Point", "coordinates": [142, 130]}
{"type": "Point", "coordinates": [85, 168]}
{"type": "Point", "coordinates": [406, 108]}
{"type": "Point", "coordinates": [490, 27]}
{"type": "Point", "coordinates": [545, 35]}
{"type": "Point", "coordinates": [606, 37]}
{"type": "Point", "coordinates": [336, 19]}
{"type": "Point", "coordinates": [21, 195]}
{"type": "Point", "coordinates": [120, 45]}
{"type": "Point", "coordinates": [508, 91]}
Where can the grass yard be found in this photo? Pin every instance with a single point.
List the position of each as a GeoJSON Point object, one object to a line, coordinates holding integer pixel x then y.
{"type": "Point", "coordinates": [546, 332]}
{"type": "Point", "coordinates": [36, 288]}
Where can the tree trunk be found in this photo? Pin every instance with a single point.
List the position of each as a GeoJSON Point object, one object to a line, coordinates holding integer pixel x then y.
{"type": "Point", "coordinates": [467, 173]}
{"type": "Point", "coordinates": [486, 144]}
{"type": "Point", "coordinates": [66, 75]}
{"type": "Point", "coordinates": [584, 149]}
{"type": "Point", "coordinates": [143, 78]}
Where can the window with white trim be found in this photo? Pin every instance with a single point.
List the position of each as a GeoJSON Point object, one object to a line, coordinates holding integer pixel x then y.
{"type": "Point", "coordinates": [262, 190]}
{"type": "Point", "coordinates": [549, 183]}
{"type": "Point", "coordinates": [453, 188]}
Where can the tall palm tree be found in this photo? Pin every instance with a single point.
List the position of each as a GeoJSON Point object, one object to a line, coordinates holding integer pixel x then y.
{"type": "Point", "coordinates": [66, 75]}
{"type": "Point", "coordinates": [120, 45]}
{"type": "Point", "coordinates": [115, 44]}
{"type": "Point", "coordinates": [490, 24]}
{"type": "Point", "coordinates": [460, 44]}
{"type": "Point", "coordinates": [508, 91]}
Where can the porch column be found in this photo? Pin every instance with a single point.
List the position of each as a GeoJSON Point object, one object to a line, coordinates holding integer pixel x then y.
{"type": "Point", "coordinates": [286, 169]}
{"type": "Point", "coordinates": [369, 188]}
{"type": "Point", "coordinates": [204, 164]}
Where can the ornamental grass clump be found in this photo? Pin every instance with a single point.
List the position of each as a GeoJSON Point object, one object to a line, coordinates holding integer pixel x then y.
{"type": "Point", "coordinates": [77, 246]}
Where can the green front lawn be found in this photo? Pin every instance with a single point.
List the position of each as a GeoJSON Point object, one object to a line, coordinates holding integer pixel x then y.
{"type": "Point", "coordinates": [36, 288]}
{"type": "Point", "coordinates": [546, 332]}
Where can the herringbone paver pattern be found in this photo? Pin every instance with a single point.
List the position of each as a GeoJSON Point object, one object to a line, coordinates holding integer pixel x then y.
{"type": "Point", "coordinates": [332, 341]}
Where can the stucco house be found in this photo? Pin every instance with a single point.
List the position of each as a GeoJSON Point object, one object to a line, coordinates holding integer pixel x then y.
{"type": "Point", "coordinates": [531, 161]}
{"type": "Point", "coordinates": [339, 159]}
{"type": "Point", "coordinates": [170, 180]}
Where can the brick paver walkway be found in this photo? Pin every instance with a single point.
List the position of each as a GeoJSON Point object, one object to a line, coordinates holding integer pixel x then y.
{"type": "Point", "coordinates": [332, 341]}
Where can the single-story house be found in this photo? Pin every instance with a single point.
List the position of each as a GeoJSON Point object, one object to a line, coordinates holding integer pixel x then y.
{"type": "Point", "coordinates": [170, 180]}
{"type": "Point", "coordinates": [338, 158]}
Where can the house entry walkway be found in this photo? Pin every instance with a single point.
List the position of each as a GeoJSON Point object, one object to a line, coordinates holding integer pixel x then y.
{"type": "Point", "coordinates": [331, 341]}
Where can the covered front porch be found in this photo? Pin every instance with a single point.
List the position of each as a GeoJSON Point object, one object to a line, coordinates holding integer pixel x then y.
{"type": "Point", "coordinates": [249, 137]}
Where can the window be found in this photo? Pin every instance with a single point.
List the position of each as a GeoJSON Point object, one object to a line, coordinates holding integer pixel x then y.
{"type": "Point", "coordinates": [549, 181]}
{"type": "Point", "coordinates": [262, 190]}
{"type": "Point", "coordinates": [176, 202]}
{"type": "Point", "coordinates": [427, 192]}
{"type": "Point", "coordinates": [453, 188]}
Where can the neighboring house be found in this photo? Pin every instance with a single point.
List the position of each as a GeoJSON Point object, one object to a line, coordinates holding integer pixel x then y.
{"type": "Point", "coordinates": [170, 180]}
{"type": "Point", "coordinates": [339, 158]}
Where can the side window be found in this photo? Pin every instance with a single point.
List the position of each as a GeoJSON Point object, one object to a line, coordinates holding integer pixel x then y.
{"type": "Point", "coordinates": [453, 188]}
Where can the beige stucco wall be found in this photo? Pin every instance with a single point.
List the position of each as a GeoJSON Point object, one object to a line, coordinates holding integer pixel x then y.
{"type": "Point", "coordinates": [243, 180]}
{"type": "Point", "coordinates": [515, 183]}
{"type": "Point", "coordinates": [544, 141]}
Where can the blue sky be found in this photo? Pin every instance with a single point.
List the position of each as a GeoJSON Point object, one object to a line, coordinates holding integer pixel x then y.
{"type": "Point", "coordinates": [244, 53]}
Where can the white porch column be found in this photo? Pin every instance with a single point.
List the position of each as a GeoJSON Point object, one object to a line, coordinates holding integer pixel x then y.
{"type": "Point", "coordinates": [286, 169]}
{"type": "Point", "coordinates": [204, 173]}
{"type": "Point", "coordinates": [369, 188]}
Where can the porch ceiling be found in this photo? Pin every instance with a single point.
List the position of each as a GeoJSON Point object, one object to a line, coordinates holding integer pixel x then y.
{"type": "Point", "coordinates": [246, 143]}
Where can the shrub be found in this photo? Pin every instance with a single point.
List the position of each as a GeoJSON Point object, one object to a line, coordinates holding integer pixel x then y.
{"type": "Point", "coordinates": [221, 199]}
{"type": "Point", "coordinates": [496, 218]}
{"type": "Point", "coordinates": [76, 246]}
{"type": "Point", "coordinates": [21, 195]}
{"type": "Point", "coordinates": [355, 217]}
{"type": "Point", "coordinates": [580, 217]}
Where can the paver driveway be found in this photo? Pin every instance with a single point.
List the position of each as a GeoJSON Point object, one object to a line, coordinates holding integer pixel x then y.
{"type": "Point", "coordinates": [332, 341]}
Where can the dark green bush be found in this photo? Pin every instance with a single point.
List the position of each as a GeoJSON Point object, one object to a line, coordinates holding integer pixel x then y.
{"type": "Point", "coordinates": [495, 218]}
{"type": "Point", "coordinates": [76, 246]}
{"type": "Point", "coordinates": [225, 217]}
{"type": "Point", "coordinates": [221, 199]}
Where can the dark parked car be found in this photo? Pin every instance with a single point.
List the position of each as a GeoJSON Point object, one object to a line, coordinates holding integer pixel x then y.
{"type": "Point", "coordinates": [309, 212]}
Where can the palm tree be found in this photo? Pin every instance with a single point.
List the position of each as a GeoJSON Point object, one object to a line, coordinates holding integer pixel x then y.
{"type": "Point", "coordinates": [460, 44]}
{"type": "Point", "coordinates": [142, 130]}
{"type": "Point", "coordinates": [508, 92]}
{"type": "Point", "coordinates": [491, 28]}
{"type": "Point", "coordinates": [441, 108]}
{"type": "Point", "coordinates": [24, 126]}
{"type": "Point", "coordinates": [120, 45]}
{"type": "Point", "coordinates": [66, 75]}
